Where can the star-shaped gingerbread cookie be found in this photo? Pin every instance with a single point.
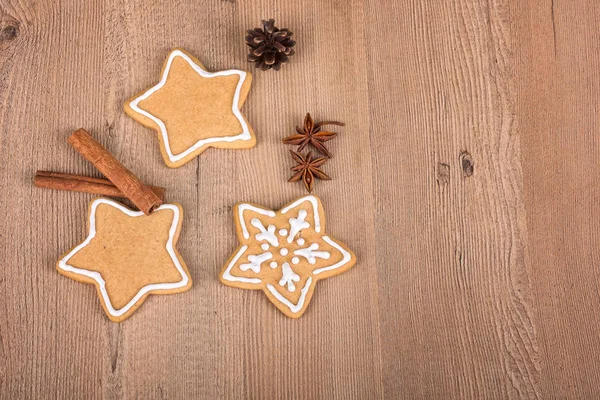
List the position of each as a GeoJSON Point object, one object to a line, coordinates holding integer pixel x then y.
{"type": "Point", "coordinates": [128, 255]}
{"type": "Point", "coordinates": [285, 253]}
{"type": "Point", "coordinates": [193, 109]}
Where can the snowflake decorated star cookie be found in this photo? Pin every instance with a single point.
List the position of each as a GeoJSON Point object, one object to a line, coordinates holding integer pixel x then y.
{"type": "Point", "coordinates": [193, 109]}
{"type": "Point", "coordinates": [284, 253]}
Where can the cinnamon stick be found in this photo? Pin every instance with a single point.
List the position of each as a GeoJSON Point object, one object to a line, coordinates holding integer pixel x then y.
{"type": "Point", "coordinates": [139, 194]}
{"type": "Point", "coordinates": [86, 184]}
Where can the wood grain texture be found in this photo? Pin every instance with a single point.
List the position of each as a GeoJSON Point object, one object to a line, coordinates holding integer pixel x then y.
{"type": "Point", "coordinates": [559, 106]}
{"type": "Point", "coordinates": [460, 282]}
{"type": "Point", "coordinates": [465, 180]}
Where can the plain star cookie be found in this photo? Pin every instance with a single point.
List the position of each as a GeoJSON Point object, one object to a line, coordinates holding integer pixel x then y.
{"type": "Point", "coordinates": [284, 253]}
{"type": "Point", "coordinates": [128, 255]}
{"type": "Point", "coordinates": [193, 109]}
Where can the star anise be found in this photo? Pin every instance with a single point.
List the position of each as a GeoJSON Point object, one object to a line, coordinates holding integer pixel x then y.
{"type": "Point", "coordinates": [307, 169]}
{"type": "Point", "coordinates": [311, 133]}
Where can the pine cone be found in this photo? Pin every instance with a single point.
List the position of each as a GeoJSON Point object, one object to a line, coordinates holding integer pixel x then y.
{"type": "Point", "coordinates": [270, 47]}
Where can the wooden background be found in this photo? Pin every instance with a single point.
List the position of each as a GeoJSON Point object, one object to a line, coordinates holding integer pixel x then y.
{"type": "Point", "coordinates": [466, 181]}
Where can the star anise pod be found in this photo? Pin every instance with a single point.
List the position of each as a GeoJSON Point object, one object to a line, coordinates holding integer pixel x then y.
{"type": "Point", "coordinates": [311, 133]}
{"type": "Point", "coordinates": [270, 46]}
{"type": "Point", "coordinates": [307, 169]}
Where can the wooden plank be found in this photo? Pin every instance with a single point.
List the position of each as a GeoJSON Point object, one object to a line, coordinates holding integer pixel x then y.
{"type": "Point", "coordinates": [559, 86]}
{"type": "Point", "coordinates": [51, 338]}
{"type": "Point", "coordinates": [456, 308]}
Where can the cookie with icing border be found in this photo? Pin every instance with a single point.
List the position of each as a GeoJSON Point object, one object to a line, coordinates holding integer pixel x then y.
{"type": "Point", "coordinates": [192, 109]}
{"type": "Point", "coordinates": [128, 255]}
{"type": "Point", "coordinates": [284, 253]}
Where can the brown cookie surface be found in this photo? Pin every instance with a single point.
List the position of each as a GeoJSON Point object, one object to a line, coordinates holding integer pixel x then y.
{"type": "Point", "coordinates": [193, 109]}
{"type": "Point", "coordinates": [128, 255]}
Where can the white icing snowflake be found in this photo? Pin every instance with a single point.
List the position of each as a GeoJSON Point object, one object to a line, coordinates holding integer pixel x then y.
{"type": "Point", "coordinates": [289, 277]}
{"type": "Point", "coordinates": [311, 253]}
{"type": "Point", "coordinates": [293, 261]}
{"type": "Point", "coordinates": [255, 262]}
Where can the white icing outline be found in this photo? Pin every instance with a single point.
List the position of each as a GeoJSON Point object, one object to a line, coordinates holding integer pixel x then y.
{"type": "Point", "coordinates": [227, 274]}
{"type": "Point", "coordinates": [346, 257]}
{"type": "Point", "coordinates": [96, 276]}
{"type": "Point", "coordinates": [245, 135]}
{"type": "Point", "coordinates": [315, 205]}
{"type": "Point", "coordinates": [244, 207]}
{"type": "Point", "coordinates": [293, 307]}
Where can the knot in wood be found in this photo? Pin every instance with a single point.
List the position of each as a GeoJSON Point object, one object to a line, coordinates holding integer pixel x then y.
{"type": "Point", "coordinates": [466, 163]}
{"type": "Point", "coordinates": [9, 32]}
{"type": "Point", "coordinates": [443, 173]}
